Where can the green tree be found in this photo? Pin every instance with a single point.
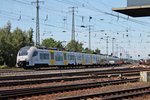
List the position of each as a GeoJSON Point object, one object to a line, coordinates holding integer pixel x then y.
{"type": "Point", "coordinates": [5, 44]}
{"type": "Point", "coordinates": [87, 50]}
{"type": "Point", "coordinates": [7, 28]}
{"type": "Point", "coordinates": [59, 45]}
{"type": "Point", "coordinates": [11, 42]}
{"type": "Point", "coordinates": [75, 46]}
{"type": "Point", "coordinates": [30, 37]}
{"type": "Point", "coordinates": [51, 43]}
{"type": "Point", "coordinates": [97, 51]}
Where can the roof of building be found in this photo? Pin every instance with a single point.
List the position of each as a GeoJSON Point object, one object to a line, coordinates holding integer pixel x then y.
{"type": "Point", "coordinates": [134, 11]}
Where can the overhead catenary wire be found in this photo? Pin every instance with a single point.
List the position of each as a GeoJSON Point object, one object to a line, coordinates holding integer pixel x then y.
{"type": "Point", "coordinates": [85, 4]}
{"type": "Point", "coordinates": [93, 8]}
{"type": "Point", "coordinates": [84, 7]}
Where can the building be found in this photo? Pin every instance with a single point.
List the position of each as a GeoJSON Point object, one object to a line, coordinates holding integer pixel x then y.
{"type": "Point", "coordinates": [135, 8]}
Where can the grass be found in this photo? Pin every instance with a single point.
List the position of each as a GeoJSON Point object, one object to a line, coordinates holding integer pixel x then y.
{"type": "Point", "coordinates": [3, 67]}
{"type": "Point", "coordinates": [9, 68]}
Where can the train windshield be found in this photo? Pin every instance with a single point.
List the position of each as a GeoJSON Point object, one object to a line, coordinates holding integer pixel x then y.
{"type": "Point", "coordinates": [24, 51]}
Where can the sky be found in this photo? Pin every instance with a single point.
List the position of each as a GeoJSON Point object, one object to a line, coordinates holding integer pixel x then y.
{"type": "Point", "coordinates": [131, 34]}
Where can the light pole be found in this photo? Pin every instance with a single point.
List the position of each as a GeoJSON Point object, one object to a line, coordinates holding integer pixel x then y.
{"type": "Point", "coordinates": [90, 38]}
{"type": "Point", "coordinates": [106, 47]}
{"type": "Point", "coordinates": [117, 51]}
{"type": "Point", "coordinates": [89, 33]}
{"type": "Point", "coordinates": [121, 52]}
{"type": "Point", "coordinates": [106, 44]}
{"type": "Point", "coordinates": [89, 26]}
{"type": "Point", "coordinates": [113, 46]}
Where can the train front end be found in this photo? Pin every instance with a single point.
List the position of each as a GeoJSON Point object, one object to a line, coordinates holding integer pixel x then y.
{"type": "Point", "coordinates": [23, 57]}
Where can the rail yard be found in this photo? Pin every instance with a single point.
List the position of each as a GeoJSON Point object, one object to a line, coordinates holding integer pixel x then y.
{"type": "Point", "coordinates": [73, 84]}
{"type": "Point", "coordinates": [74, 50]}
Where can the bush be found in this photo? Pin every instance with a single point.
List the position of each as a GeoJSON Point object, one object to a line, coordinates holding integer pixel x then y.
{"type": "Point", "coordinates": [3, 66]}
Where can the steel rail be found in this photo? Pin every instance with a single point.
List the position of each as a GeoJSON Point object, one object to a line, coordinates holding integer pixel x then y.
{"type": "Point", "coordinates": [112, 95]}
{"type": "Point", "coordinates": [97, 72]}
{"type": "Point", "coordinates": [39, 81]}
{"type": "Point", "coordinates": [7, 94]}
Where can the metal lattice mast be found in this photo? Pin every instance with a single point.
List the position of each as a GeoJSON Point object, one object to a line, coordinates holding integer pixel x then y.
{"type": "Point", "coordinates": [89, 37]}
{"type": "Point", "coordinates": [113, 46]}
{"type": "Point", "coordinates": [73, 23]}
{"type": "Point", "coordinates": [37, 23]}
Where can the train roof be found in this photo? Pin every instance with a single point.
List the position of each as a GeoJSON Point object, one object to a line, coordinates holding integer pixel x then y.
{"type": "Point", "coordinates": [55, 49]}
{"type": "Point", "coordinates": [46, 48]}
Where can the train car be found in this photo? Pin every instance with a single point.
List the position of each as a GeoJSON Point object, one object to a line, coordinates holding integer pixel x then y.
{"type": "Point", "coordinates": [98, 59]}
{"type": "Point", "coordinates": [87, 59]}
{"type": "Point", "coordinates": [103, 60]}
{"type": "Point", "coordinates": [71, 58]}
{"type": "Point", "coordinates": [111, 60]}
{"type": "Point", "coordinates": [58, 58]}
{"type": "Point", "coordinates": [144, 62]}
{"type": "Point", "coordinates": [117, 61]}
{"type": "Point", "coordinates": [79, 58]}
{"type": "Point", "coordinates": [30, 57]}
{"type": "Point", "coordinates": [26, 56]}
{"type": "Point", "coordinates": [94, 59]}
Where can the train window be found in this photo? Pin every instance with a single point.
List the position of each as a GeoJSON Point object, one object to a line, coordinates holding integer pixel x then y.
{"type": "Point", "coordinates": [35, 53]}
{"type": "Point", "coordinates": [52, 55]}
{"type": "Point", "coordinates": [23, 52]}
{"type": "Point", "coordinates": [44, 56]}
{"type": "Point", "coordinates": [87, 59]}
{"type": "Point", "coordinates": [58, 57]}
{"type": "Point", "coordinates": [41, 56]}
{"type": "Point", "coordinates": [71, 57]}
{"type": "Point", "coordinates": [79, 57]}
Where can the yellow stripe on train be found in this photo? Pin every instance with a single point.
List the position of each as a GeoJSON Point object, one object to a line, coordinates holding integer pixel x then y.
{"type": "Point", "coordinates": [65, 62]}
{"type": "Point", "coordinates": [52, 62]}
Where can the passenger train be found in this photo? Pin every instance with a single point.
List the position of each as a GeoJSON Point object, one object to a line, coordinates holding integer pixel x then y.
{"type": "Point", "coordinates": [32, 57]}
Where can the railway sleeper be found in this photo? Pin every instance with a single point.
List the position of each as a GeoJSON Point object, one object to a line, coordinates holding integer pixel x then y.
{"type": "Point", "coordinates": [41, 90]}
{"type": "Point", "coordinates": [114, 95]}
{"type": "Point", "coordinates": [124, 95]}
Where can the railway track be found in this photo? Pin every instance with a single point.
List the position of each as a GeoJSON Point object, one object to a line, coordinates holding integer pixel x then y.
{"type": "Point", "coordinates": [58, 77]}
{"type": "Point", "coordinates": [57, 68]}
{"type": "Point", "coordinates": [30, 72]}
{"type": "Point", "coordinates": [7, 94]}
{"type": "Point", "coordinates": [81, 73]}
{"type": "Point", "coordinates": [51, 69]}
{"type": "Point", "coordinates": [47, 80]}
{"type": "Point", "coordinates": [113, 95]}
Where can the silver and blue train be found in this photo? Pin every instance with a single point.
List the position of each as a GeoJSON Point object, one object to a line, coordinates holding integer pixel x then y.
{"type": "Point", "coordinates": [32, 57]}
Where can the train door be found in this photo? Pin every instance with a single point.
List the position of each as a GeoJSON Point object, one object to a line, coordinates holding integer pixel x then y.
{"type": "Point", "coordinates": [91, 59]}
{"type": "Point", "coordinates": [71, 58]}
{"type": "Point", "coordinates": [34, 58]}
{"type": "Point", "coordinates": [78, 58]}
{"type": "Point", "coordinates": [58, 58]}
{"type": "Point", "coordinates": [83, 60]}
{"type": "Point", "coordinates": [65, 58]}
{"type": "Point", "coordinates": [52, 60]}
